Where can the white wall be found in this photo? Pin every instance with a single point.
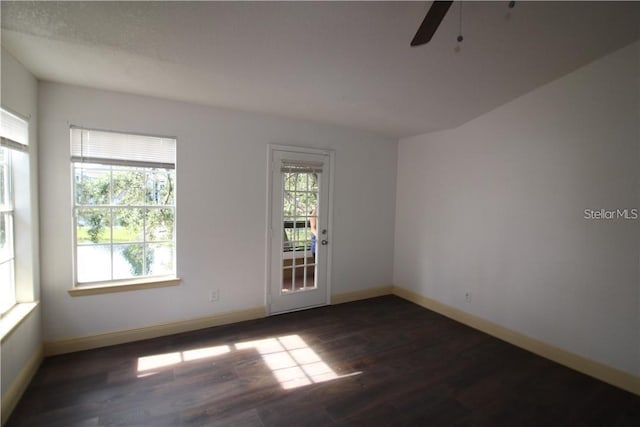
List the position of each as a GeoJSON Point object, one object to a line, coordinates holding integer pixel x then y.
{"type": "Point", "coordinates": [20, 95]}
{"type": "Point", "coordinates": [221, 167]}
{"type": "Point", "coordinates": [495, 208]}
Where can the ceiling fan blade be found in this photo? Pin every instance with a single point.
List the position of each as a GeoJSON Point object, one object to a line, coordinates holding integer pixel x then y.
{"type": "Point", "coordinates": [431, 22]}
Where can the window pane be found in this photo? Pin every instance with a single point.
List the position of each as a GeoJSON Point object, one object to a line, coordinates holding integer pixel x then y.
{"type": "Point", "coordinates": [162, 260]}
{"type": "Point", "coordinates": [7, 289]}
{"type": "Point", "coordinates": [128, 186]}
{"type": "Point", "coordinates": [6, 236]}
{"type": "Point", "coordinates": [160, 224]}
{"type": "Point", "coordinates": [300, 204]}
{"type": "Point", "coordinates": [94, 263]}
{"type": "Point", "coordinates": [5, 199]}
{"type": "Point", "coordinates": [92, 184]}
{"type": "Point", "coordinates": [128, 225]}
{"type": "Point", "coordinates": [288, 209]}
{"type": "Point", "coordinates": [93, 226]}
{"type": "Point", "coordinates": [4, 191]}
{"type": "Point", "coordinates": [160, 186]}
{"type": "Point", "coordinates": [302, 181]}
{"type": "Point", "coordinates": [313, 182]}
{"type": "Point", "coordinates": [305, 203]}
{"type": "Point", "coordinates": [131, 261]}
{"type": "Point", "coordinates": [289, 181]}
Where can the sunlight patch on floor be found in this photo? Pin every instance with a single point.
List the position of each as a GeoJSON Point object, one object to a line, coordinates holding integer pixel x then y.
{"type": "Point", "coordinates": [293, 363]}
{"type": "Point", "coordinates": [156, 361]}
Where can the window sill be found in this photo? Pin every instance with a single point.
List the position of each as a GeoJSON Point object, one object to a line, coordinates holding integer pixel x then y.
{"type": "Point", "coordinates": [124, 286]}
{"type": "Point", "coordinates": [14, 317]}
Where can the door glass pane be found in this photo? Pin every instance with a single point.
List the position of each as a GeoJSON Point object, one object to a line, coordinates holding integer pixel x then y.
{"type": "Point", "coordinates": [300, 203]}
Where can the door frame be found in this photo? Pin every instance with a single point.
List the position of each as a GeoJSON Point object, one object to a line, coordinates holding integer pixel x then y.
{"type": "Point", "coordinates": [271, 170]}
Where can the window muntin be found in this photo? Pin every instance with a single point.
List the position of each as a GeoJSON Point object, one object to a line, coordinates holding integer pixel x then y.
{"type": "Point", "coordinates": [124, 210]}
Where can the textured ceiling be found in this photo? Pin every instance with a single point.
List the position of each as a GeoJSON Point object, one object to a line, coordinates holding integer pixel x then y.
{"type": "Point", "coordinates": [345, 63]}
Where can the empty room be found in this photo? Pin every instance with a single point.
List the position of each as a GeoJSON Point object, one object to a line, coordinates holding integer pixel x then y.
{"type": "Point", "coordinates": [320, 213]}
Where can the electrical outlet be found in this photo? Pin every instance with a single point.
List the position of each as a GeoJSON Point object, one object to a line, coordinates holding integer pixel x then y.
{"type": "Point", "coordinates": [467, 297]}
{"type": "Point", "coordinates": [214, 295]}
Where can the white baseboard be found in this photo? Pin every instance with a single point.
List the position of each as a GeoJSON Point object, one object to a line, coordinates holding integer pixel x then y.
{"type": "Point", "coordinates": [363, 294]}
{"type": "Point", "coordinates": [11, 398]}
{"type": "Point", "coordinates": [574, 361]}
{"type": "Point", "coordinates": [70, 345]}
{"type": "Point", "coordinates": [88, 342]}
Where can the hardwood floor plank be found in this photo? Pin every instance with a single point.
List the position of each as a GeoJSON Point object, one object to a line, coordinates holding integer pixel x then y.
{"type": "Point", "coordinates": [382, 361]}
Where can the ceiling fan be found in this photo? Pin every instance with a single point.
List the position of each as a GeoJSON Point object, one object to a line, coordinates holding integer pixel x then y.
{"type": "Point", "coordinates": [432, 21]}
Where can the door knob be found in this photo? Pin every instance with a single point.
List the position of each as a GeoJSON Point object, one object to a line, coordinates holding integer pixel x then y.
{"type": "Point", "coordinates": [324, 242]}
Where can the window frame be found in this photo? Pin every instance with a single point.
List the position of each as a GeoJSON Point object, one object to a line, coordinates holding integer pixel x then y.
{"type": "Point", "coordinates": [9, 210]}
{"type": "Point", "coordinates": [20, 130]}
{"type": "Point", "coordinates": [133, 282]}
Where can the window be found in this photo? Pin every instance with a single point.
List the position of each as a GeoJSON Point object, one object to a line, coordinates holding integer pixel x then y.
{"type": "Point", "coordinates": [124, 192]}
{"type": "Point", "coordinates": [15, 135]}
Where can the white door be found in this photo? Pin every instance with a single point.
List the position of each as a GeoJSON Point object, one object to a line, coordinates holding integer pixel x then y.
{"type": "Point", "coordinates": [299, 230]}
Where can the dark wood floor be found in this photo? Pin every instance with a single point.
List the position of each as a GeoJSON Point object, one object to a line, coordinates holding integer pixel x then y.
{"type": "Point", "coordinates": [382, 361]}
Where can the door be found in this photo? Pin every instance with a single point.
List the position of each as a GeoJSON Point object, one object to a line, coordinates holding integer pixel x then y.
{"type": "Point", "coordinates": [299, 233]}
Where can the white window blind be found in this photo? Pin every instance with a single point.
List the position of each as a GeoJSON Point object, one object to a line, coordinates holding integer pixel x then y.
{"type": "Point", "coordinates": [14, 131]}
{"type": "Point", "coordinates": [121, 149]}
{"type": "Point", "coordinates": [292, 166]}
